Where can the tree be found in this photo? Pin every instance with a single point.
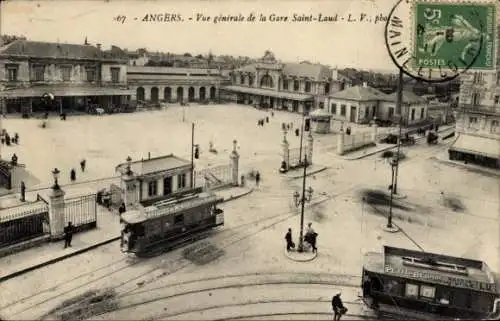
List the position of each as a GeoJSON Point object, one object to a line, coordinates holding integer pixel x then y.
{"type": "Point", "coordinates": [6, 39]}
{"type": "Point", "coordinates": [200, 56]}
{"type": "Point", "coordinates": [187, 54]}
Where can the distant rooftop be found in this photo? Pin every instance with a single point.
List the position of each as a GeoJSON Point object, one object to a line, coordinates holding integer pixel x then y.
{"type": "Point", "coordinates": [153, 165]}
{"type": "Point", "coordinates": [360, 93]}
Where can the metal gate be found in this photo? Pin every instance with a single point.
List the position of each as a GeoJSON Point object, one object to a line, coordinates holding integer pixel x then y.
{"type": "Point", "coordinates": [295, 157]}
{"type": "Point", "coordinates": [214, 177]}
{"type": "Point", "coordinates": [81, 211]}
{"type": "Point", "coordinates": [24, 222]}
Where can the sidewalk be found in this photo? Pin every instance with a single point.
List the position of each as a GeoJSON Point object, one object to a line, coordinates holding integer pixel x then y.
{"type": "Point", "coordinates": [443, 159]}
{"type": "Point", "coordinates": [362, 153]}
{"type": "Point", "coordinates": [299, 172]}
{"type": "Point", "coordinates": [107, 231]}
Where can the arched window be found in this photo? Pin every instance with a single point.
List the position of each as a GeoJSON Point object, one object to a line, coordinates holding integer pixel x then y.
{"type": "Point", "coordinates": [285, 84]}
{"type": "Point", "coordinates": [140, 94]}
{"type": "Point", "coordinates": [266, 81]}
{"type": "Point", "coordinates": [242, 79]}
{"type": "Point", "coordinates": [234, 79]}
{"type": "Point", "coordinates": [250, 80]}
{"type": "Point", "coordinates": [308, 87]}
{"type": "Point", "coordinates": [296, 85]}
{"type": "Point", "coordinates": [327, 88]}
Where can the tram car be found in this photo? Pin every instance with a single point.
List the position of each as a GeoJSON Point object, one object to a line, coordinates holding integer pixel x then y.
{"type": "Point", "coordinates": [168, 222]}
{"type": "Point", "coordinates": [415, 285]}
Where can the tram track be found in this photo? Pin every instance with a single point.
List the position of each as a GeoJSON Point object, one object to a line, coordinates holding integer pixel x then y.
{"type": "Point", "coordinates": [176, 264]}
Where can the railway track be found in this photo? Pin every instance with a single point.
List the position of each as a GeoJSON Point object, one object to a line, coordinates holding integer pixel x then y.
{"type": "Point", "coordinates": [224, 238]}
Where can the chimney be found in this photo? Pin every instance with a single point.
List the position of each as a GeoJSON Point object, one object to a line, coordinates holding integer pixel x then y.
{"type": "Point", "coordinates": [365, 84]}
{"type": "Point", "coordinates": [98, 45]}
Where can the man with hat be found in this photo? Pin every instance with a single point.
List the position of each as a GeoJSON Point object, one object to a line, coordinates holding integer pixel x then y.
{"type": "Point", "coordinates": [337, 306]}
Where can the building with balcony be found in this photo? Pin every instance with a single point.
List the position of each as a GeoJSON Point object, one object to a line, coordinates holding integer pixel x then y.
{"type": "Point", "coordinates": [361, 104]}
{"type": "Point", "coordinates": [78, 76]}
{"type": "Point", "coordinates": [297, 87]}
{"type": "Point", "coordinates": [169, 84]}
{"type": "Point", "coordinates": [478, 119]}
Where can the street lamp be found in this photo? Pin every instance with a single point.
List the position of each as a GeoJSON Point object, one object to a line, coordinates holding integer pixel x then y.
{"type": "Point", "coordinates": [129, 164]}
{"type": "Point", "coordinates": [301, 200]}
{"type": "Point", "coordinates": [55, 174]}
{"type": "Point", "coordinates": [394, 164]}
{"type": "Point", "coordinates": [301, 137]}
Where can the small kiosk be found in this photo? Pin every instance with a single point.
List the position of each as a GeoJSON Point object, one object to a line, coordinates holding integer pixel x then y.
{"type": "Point", "coordinates": [321, 121]}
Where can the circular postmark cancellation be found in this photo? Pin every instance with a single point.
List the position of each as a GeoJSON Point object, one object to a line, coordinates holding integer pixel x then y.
{"type": "Point", "coordinates": [437, 41]}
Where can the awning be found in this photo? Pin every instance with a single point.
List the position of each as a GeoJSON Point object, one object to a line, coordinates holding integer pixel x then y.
{"type": "Point", "coordinates": [269, 92]}
{"type": "Point", "coordinates": [65, 91]}
{"type": "Point", "coordinates": [478, 145]}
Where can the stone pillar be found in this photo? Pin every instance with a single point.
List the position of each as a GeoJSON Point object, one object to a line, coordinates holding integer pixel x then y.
{"type": "Point", "coordinates": [310, 141]}
{"type": "Point", "coordinates": [234, 156]}
{"type": "Point", "coordinates": [56, 213]}
{"type": "Point", "coordinates": [130, 191]}
{"type": "Point", "coordinates": [286, 151]}
{"type": "Point", "coordinates": [374, 132]}
{"type": "Point", "coordinates": [340, 143]}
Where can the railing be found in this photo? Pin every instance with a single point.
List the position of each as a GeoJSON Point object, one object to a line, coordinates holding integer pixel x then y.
{"type": "Point", "coordinates": [153, 211]}
{"type": "Point", "coordinates": [470, 108]}
{"type": "Point", "coordinates": [81, 210]}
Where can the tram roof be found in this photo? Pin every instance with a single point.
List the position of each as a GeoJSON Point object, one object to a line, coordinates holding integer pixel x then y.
{"type": "Point", "coordinates": [153, 165]}
{"type": "Point", "coordinates": [431, 267]}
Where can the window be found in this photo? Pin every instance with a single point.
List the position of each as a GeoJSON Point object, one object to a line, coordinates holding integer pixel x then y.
{"type": "Point", "coordinates": [12, 71]}
{"type": "Point", "coordinates": [342, 110]}
{"type": "Point", "coordinates": [494, 126]}
{"type": "Point", "coordinates": [250, 80]}
{"type": "Point", "coordinates": [497, 99]}
{"type": "Point", "coordinates": [66, 73]}
{"type": "Point", "coordinates": [285, 84]}
{"type": "Point", "coordinates": [296, 85]}
{"type": "Point", "coordinates": [473, 122]}
{"type": "Point", "coordinates": [242, 79]}
{"type": "Point", "coordinates": [413, 114]}
{"type": "Point", "coordinates": [179, 219]}
{"type": "Point", "coordinates": [478, 77]}
{"type": "Point", "coordinates": [392, 287]}
{"type": "Point", "coordinates": [498, 78]}
{"type": "Point", "coordinates": [334, 108]}
{"type": "Point", "coordinates": [181, 181]}
{"type": "Point", "coordinates": [374, 111]}
{"type": "Point", "coordinates": [267, 81]}
{"type": "Point", "coordinates": [90, 74]}
{"type": "Point", "coordinates": [367, 112]}
{"type": "Point", "coordinates": [391, 112]}
{"type": "Point", "coordinates": [422, 111]}
{"type": "Point", "coordinates": [475, 99]}
{"type": "Point", "coordinates": [115, 74]}
{"type": "Point", "coordinates": [428, 292]}
{"type": "Point", "coordinates": [152, 188]}
{"type": "Point", "coordinates": [308, 87]}
{"type": "Point", "coordinates": [411, 290]}
{"type": "Point", "coordinates": [38, 73]}
{"type": "Point", "coordinates": [327, 89]}
{"type": "Point", "coordinates": [321, 105]}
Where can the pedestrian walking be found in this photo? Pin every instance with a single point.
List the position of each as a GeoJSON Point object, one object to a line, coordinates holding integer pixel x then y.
{"type": "Point", "coordinates": [16, 139]}
{"type": "Point", "coordinates": [310, 237]}
{"type": "Point", "coordinates": [7, 139]}
{"type": "Point", "coordinates": [267, 119]}
{"type": "Point", "coordinates": [82, 164]}
{"type": "Point", "coordinates": [23, 192]}
{"type": "Point", "coordinates": [73, 175]}
{"type": "Point", "coordinates": [338, 307]}
{"type": "Point", "coordinates": [297, 132]}
{"type": "Point", "coordinates": [13, 159]}
{"type": "Point", "coordinates": [289, 242]}
{"type": "Point", "coordinates": [122, 209]}
{"type": "Point", "coordinates": [68, 235]}
{"type": "Point", "coordinates": [257, 179]}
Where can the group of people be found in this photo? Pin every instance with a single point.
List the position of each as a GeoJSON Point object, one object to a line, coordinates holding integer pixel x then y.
{"type": "Point", "coordinates": [83, 164]}
{"type": "Point", "coordinates": [310, 238]}
{"type": "Point", "coordinates": [261, 121]}
{"type": "Point", "coordinates": [7, 139]}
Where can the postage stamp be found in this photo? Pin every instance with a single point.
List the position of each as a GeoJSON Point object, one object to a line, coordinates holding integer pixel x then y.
{"type": "Point", "coordinates": [447, 34]}
{"type": "Point", "coordinates": [436, 41]}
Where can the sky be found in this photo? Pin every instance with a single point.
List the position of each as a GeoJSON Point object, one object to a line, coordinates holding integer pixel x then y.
{"type": "Point", "coordinates": [339, 44]}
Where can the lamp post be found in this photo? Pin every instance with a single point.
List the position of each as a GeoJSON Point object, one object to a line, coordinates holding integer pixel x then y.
{"type": "Point", "coordinates": [399, 106]}
{"type": "Point", "coordinates": [55, 174]}
{"type": "Point", "coordinates": [300, 200]}
{"type": "Point", "coordinates": [394, 165]}
{"type": "Point", "coordinates": [301, 138]}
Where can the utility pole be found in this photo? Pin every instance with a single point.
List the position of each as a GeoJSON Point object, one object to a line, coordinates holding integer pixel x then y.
{"type": "Point", "coordinates": [302, 203]}
{"type": "Point", "coordinates": [192, 155]}
{"type": "Point", "coordinates": [301, 139]}
{"type": "Point", "coordinates": [399, 106]}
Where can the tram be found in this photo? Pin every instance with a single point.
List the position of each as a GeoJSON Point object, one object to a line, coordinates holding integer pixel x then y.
{"type": "Point", "coordinates": [168, 222]}
{"type": "Point", "coordinates": [417, 285]}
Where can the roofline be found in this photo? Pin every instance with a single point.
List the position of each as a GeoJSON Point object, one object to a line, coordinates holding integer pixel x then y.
{"type": "Point", "coordinates": [3, 55]}
{"type": "Point", "coordinates": [171, 155]}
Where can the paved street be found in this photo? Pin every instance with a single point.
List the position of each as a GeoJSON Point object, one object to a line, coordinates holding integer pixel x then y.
{"type": "Point", "coordinates": [462, 221]}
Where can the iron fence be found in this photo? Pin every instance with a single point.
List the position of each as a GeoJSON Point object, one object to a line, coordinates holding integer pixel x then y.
{"type": "Point", "coordinates": [356, 141]}
{"type": "Point", "coordinates": [214, 177]}
{"type": "Point", "coordinates": [81, 210]}
{"type": "Point", "coordinates": [24, 222]}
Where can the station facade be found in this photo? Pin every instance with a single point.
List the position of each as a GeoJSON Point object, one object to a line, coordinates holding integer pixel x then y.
{"type": "Point", "coordinates": [170, 84]}
{"type": "Point", "coordinates": [77, 76]}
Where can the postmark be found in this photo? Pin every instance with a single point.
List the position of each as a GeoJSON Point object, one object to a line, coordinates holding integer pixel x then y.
{"type": "Point", "coordinates": [437, 41]}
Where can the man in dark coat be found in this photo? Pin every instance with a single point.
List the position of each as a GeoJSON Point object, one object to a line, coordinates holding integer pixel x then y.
{"type": "Point", "coordinates": [289, 241]}
{"type": "Point", "coordinates": [122, 209]}
{"type": "Point", "coordinates": [73, 175]}
{"type": "Point", "coordinates": [257, 179]}
{"type": "Point", "coordinates": [82, 165]}
{"type": "Point", "coordinates": [338, 307]}
{"type": "Point", "coordinates": [68, 235]}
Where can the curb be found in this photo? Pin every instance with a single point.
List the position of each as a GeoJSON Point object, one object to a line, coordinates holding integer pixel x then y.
{"type": "Point", "coordinates": [55, 260]}
{"type": "Point", "coordinates": [296, 259]}
{"type": "Point", "coordinates": [310, 173]}
{"type": "Point", "coordinates": [464, 166]}
{"type": "Point", "coordinates": [86, 249]}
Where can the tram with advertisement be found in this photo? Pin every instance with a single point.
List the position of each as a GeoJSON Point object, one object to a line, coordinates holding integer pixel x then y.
{"type": "Point", "coordinates": [415, 285]}
{"type": "Point", "coordinates": [170, 222]}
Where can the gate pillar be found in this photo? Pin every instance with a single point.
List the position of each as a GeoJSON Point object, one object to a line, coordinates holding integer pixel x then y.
{"type": "Point", "coordinates": [56, 213]}
{"type": "Point", "coordinates": [374, 132]}
{"type": "Point", "coordinates": [234, 156]}
{"type": "Point", "coordinates": [310, 141]}
{"type": "Point", "coordinates": [340, 143]}
{"type": "Point", "coordinates": [130, 191]}
{"type": "Point", "coordinates": [286, 151]}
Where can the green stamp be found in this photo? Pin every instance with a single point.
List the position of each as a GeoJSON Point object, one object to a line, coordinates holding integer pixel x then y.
{"type": "Point", "coordinates": [454, 36]}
